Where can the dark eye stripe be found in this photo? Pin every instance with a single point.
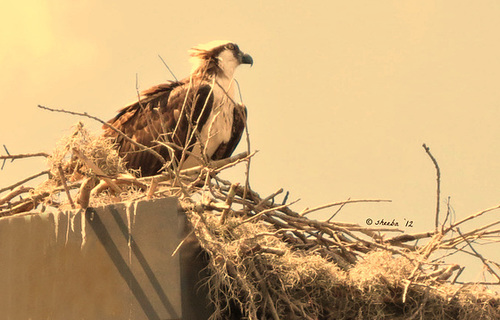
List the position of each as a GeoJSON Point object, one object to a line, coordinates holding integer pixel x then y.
{"type": "Point", "coordinates": [232, 46]}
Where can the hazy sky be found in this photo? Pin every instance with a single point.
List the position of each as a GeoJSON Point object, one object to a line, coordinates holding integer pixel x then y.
{"type": "Point", "coordinates": [341, 96]}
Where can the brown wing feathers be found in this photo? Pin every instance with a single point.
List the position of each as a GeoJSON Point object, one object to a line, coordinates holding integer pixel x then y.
{"type": "Point", "coordinates": [154, 118]}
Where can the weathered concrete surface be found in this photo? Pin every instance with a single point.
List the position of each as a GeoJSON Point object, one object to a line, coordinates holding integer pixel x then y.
{"type": "Point", "coordinates": [106, 263]}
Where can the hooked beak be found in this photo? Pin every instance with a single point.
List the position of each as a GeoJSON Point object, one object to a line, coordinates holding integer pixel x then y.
{"type": "Point", "coordinates": [247, 59]}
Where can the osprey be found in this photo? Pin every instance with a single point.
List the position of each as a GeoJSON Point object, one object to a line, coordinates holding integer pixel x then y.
{"type": "Point", "coordinates": [190, 121]}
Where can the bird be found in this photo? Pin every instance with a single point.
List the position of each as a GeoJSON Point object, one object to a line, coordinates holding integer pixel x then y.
{"type": "Point", "coordinates": [187, 122]}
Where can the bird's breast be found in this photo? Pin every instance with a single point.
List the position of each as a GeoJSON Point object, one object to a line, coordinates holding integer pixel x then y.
{"type": "Point", "coordinates": [218, 128]}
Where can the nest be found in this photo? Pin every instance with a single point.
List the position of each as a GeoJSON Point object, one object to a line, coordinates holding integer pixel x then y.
{"type": "Point", "coordinates": [267, 261]}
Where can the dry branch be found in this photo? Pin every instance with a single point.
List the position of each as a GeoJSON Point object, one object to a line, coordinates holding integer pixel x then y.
{"type": "Point", "coordinates": [333, 204]}
{"type": "Point", "coordinates": [84, 195]}
{"type": "Point", "coordinates": [13, 157]}
{"type": "Point", "coordinates": [438, 183]}
{"type": "Point", "coordinates": [229, 202]}
{"type": "Point", "coordinates": [65, 185]}
{"type": "Point", "coordinates": [471, 217]}
{"type": "Point", "coordinates": [24, 205]}
{"type": "Point", "coordinates": [25, 180]}
{"type": "Point", "coordinates": [14, 193]}
{"type": "Point", "coordinates": [24, 155]}
{"type": "Point", "coordinates": [485, 263]}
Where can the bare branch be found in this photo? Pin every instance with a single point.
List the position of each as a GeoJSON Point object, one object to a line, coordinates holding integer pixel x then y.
{"type": "Point", "coordinates": [438, 182]}
{"type": "Point", "coordinates": [168, 68]}
{"type": "Point", "coordinates": [480, 257]}
{"type": "Point", "coordinates": [24, 155]}
{"type": "Point", "coordinates": [25, 180]}
{"type": "Point", "coordinates": [14, 193]}
{"type": "Point", "coordinates": [65, 185]}
{"type": "Point", "coordinates": [341, 203]}
{"type": "Point", "coordinates": [229, 202]}
{"type": "Point", "coordinates": [473, 216]}
{"type": "Point", "coordinates": [85, 189]}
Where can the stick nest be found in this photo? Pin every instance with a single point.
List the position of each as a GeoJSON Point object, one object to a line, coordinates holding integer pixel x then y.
{"type": "Point", "coordinates": [267, 261]}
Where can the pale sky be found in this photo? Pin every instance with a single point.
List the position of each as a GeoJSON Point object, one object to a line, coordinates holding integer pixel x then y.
{"type": "Point", "coordinates": [340, 98]}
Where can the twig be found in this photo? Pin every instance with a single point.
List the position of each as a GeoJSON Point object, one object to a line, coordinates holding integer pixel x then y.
{"type": "Point", "coordinates": [480, 257]}
{"type": "Point", "coordinates": [229, 202]}
{"type": "Point", "coordinates": [215, 165]}
{"type": "Point", "coordinates": [63, 181]}
{"type": "Point", "coordinates": [338, 210]}
{"type": "Point", "coordinates": [285, 198]}
{"type": "Point", "coordinates": [473, 216]}
{"type": "Point", "coordinates": [448, 211]}
{"type": "Point", "coordinates": [152, 188]}
{"type": "Point", "coordinates": [307, 211]}
{"type": "Point", "coordinates": [479, 232]}
{"type": "Point", "coordinates": [17, 191]}
{"type": "Point", "coordinates": [25, 180]}
{"type": "Point", "coordinates": [103, 185]}
{"type": "Point", "coordinates": [457, 275]}
{"type": "Point", "coordinates": [27, 205]}
{"type": "Point", "coordinates": [438, 183]}
{"type": "Point", "coordinates": [166, 65]}
{"type": "Point", "coordinates": [409, 237]}
{"type": "Point", "coordinates": [182, 242]}
{"type": "Point", "coordinates": [439, 274]}
{"type": "Point", "coordinates": [478, 283]}
{"type": "Point", "coordinates": [266, 211]}
{"type": "Point", "coordinates": [85, 189]}
{"type": "Point", "coordinates": [231, 161]}
{"type": "Point", "coordinates": [269, 197]}
{"type": "Point", "coordinates": [4, 160]}
{"type": "Point", "coordinates": [24, 155]}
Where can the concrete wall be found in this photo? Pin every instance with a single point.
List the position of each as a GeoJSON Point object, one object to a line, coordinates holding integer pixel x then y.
{"type": "Point", "coordinates": [112, 262]}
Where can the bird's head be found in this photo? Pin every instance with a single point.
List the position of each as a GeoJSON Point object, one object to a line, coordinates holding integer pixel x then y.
{"type": "Point", "coordinates": [219, 58]}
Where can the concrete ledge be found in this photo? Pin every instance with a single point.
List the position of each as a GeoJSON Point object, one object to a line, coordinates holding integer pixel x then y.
{"type": "Point", "coordinates": [111, 262]}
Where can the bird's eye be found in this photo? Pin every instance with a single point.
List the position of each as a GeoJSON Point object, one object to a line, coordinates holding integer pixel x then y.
{"type": "Point", "coordinates": [230, 46]}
